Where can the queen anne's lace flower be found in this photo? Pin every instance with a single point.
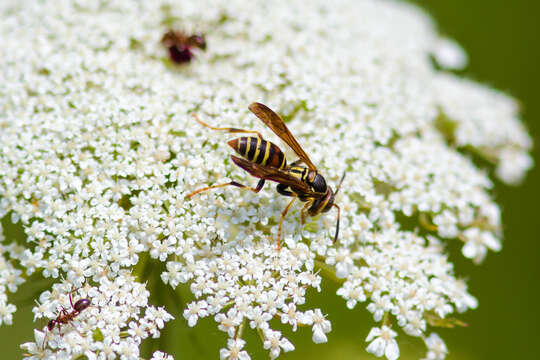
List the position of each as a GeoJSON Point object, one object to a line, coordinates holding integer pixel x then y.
{"type": "Point", "coordinates": [275, 342]}
{"type": "Point", "coordinates": [160, 355]}
{"type": "Point", "coordinates": [98, 150]}
{"type": "Point", "coordinates": [234, 350]}
{"type": "Point", "coordinates": [382, 342]}
{"type": "Point", "coordinates": [436, 347]}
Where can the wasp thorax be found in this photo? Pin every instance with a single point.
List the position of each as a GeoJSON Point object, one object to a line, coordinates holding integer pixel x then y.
{"type": "Point", "coordinates": [319, 184]}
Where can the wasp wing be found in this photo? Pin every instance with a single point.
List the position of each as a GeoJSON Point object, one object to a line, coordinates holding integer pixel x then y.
{"type": "Point", "coordinates": [274, 122]}
{"type": "Point", "coordinates": [273, 174]}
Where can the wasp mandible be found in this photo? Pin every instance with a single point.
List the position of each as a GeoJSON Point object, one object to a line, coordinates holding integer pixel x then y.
{"type": "Point", "coordinates": [266, 161]}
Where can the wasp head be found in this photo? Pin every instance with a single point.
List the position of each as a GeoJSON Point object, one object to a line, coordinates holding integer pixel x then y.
{"type": "Point", "coordinates": [326, 202]}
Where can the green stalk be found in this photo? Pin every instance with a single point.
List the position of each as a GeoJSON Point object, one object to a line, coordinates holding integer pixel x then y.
{"type": "Point", "coordinates": [327, 271]}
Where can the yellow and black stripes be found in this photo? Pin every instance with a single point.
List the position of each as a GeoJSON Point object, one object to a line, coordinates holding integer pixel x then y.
{"type": "Point", "coordinates": [299, 172]}
{"type": "Point", "coordinates": [259, 151]}
{"type": "Point", "coordinates": [262, 157]}
{"type": "Point", "coordinates": [264, 160]}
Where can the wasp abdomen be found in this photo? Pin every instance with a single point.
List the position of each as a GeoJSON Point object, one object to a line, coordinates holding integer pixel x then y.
{"type": "Point", "coordinates": [259, 151]}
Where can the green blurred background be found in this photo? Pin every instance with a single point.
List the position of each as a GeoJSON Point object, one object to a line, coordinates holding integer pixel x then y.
{"type": "Point", "coordinates": [502, 41]}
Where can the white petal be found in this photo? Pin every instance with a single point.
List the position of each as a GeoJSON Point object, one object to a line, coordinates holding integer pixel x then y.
{"type": "Point", "coordinates": [392, 350]}
{"type": "Point", "coordinates": [373, 333]}
{"type": "Point", "coordinates": [318, 335]}
{"type": "Point", "coordinates": [192, 321]}
{"type": "Point", "coordinates": [244, 356]}
{"type": "Point", "coordinates": [376, 347]}
{"type": "Point", "coordinates": [286, 345]}
{"type": "Point", "coordinates": [224, 354]}
{"type": "Point", "coordinates": [491, 242]}
{"type": "Point", "coordinates": [470, 249]}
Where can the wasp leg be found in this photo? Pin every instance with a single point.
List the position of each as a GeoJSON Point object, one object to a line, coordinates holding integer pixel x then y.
{"type": "Point", "coordinates": [338, 217]}
{"type": "Point", "coordinates": [283, 213]}
{"type": "Point", "coordinates": [258, 188]}
{"type": "Point", "coordinates": [304, 209]}
{"type": "Point", "coordinates": [230, 130]}
{"type": "Point", "coordinates": [282, 189]}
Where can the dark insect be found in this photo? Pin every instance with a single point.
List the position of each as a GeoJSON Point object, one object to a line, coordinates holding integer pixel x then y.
{"type": "Point", "coordinates": [180, 45]}
{"type": "Point", "coordinates": [65, 316]}
{"type": "Point", "coordinates": [266, 161]}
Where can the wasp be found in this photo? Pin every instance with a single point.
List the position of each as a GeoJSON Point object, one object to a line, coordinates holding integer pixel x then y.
{"type": "Point", "coordinates": [180, 45]}
{"type": "Point", "coordinates": [65, 316]}
{"type": "Point", "coordinates": [265, 160]}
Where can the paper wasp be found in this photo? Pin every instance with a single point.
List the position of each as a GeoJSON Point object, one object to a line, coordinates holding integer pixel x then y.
{"type": "Point", "coordinates": [266, 161]}
{"type": "Point", "coordinates": [180, 45]}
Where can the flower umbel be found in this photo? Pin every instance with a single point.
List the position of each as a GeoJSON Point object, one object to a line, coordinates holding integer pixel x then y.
{"type": "Point", "coordinates": [98, 149]}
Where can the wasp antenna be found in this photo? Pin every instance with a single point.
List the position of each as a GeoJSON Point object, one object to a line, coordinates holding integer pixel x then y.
{"type": "Point", "coordinates": [338, 217]}
{"type": "Point", "coordinates": [194, 115]}
{"type": "Point", "coordinates": [340, 182]}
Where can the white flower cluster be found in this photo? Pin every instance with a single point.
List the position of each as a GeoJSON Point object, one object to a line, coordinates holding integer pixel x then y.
{"type": "Point", "coordinates": [10, 279]}
{"type": "Point", "coordinates": [98, 150]}
{"type": "Point", "coordinates": [113, 325]}
{"type": "Point", "coordinates": [487, 121]}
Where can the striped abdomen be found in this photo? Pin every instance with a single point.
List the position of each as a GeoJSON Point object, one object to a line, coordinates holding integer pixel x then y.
{"type": "Point", "coordinates": [259, 151]}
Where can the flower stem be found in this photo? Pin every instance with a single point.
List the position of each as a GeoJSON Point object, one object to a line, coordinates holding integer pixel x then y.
{"type": "Point", "coordinates": [426, 222]}
{"type": "Point", "coordinates": [140, 268]}
{"type": "Point", "coordinates": [327, 271]}
{"type": "Point", "coordinates": [240, 329]}
{"type": "Point", "coordinates": [386, 319]}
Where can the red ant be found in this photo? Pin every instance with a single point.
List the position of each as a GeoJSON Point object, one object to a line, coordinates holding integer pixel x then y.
{"type": "Point", "coordinates": [64, 317]}
{"type": "Point", "coordinates": [180, 45]}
